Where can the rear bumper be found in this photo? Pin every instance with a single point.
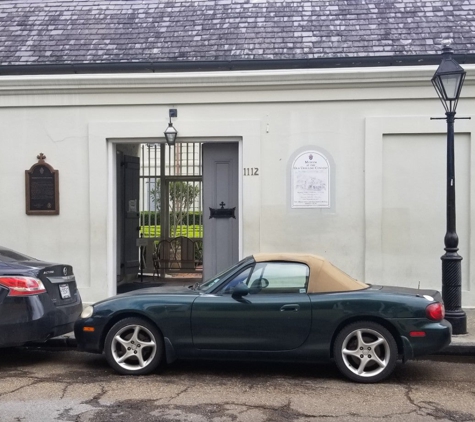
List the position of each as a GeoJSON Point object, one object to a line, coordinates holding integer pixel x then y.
{"type": "Point", "coordinates": [35, 319]}
{"type": "Point", "coordinates": [438, 335]}
{"type": "Point", "coordinates": [66, 316]}
{"type": "Point", "coordinates": [24, 319]}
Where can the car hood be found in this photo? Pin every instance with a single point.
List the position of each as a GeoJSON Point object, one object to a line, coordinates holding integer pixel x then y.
{"type": "Point", "coordinates": [160, 290]}
{"type": "Point", "coordinates": [155, 291]}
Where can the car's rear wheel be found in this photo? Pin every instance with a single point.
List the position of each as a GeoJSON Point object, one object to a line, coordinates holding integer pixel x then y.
{"type": "Point", "coordinates": [365, 352]}
{"type": "Point", "coordinates": [134, 346]}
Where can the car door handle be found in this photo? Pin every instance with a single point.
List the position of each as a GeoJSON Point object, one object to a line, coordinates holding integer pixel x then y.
{"type": "Point", "coordinates": [291, 307]}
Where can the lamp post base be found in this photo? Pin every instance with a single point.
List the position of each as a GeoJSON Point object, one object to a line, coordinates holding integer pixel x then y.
{"type": "Point", "coordinates": [458, 319]}
{"type": "Point", "coordinates": [452, 287]}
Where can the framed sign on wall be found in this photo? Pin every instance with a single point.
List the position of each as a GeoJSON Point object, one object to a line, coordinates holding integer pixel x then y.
{"type": "Point", "coordinates": [42, 188]}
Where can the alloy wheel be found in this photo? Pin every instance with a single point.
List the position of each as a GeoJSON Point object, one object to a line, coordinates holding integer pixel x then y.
{"type": "Point", "coordinates": [365, 352]}
{"type": "Point", "coordinates": [133, 347]}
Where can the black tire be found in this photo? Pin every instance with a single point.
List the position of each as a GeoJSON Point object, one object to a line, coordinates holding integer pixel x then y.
{"type": "Point", "coordinates": [359, 358]}
{"type": "Point", "coordinates": [134, 346]}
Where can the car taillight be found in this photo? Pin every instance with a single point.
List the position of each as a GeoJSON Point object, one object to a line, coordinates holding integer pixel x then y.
{"type": "Point", "coordinates": [22, 286]}
{"type": "Point", "coordinates": [435, 311]}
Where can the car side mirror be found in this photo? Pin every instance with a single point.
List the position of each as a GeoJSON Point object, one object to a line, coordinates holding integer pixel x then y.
{"type": "Point", "coordinates": [240, 290]}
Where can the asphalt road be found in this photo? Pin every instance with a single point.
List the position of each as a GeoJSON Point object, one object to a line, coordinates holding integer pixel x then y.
{"type": "Point", "coordinates": [54, 385]}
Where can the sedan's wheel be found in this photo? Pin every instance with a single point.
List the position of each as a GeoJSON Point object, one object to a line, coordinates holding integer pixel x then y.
{"type": "Point", "coordinates": [133, 346]}
{"type": "Point", "coordinates": [365, 352]}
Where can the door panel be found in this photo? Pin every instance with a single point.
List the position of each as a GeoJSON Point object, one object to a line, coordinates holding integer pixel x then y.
{"type": "Point", "coordinates": [220, 190]}
{"type": "Point", "coordinates": [268, 322]}
{"type": "Point", "coordinates": [131, 213]}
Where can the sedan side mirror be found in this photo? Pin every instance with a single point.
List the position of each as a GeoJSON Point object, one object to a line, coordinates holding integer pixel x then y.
{"type": "Point", "coordinates": [240, 290]}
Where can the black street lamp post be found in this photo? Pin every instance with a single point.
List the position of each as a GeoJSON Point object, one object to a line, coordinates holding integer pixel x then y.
{"type": "Point", "coordinates": [448, 81]}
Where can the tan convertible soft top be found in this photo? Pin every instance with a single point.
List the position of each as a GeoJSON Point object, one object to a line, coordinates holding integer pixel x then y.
{"type": "Point", "coordinates": [324, 276]}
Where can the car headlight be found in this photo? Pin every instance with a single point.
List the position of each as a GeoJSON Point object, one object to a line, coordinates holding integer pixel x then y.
{"type": "Point", "coordinates": [87, 312]}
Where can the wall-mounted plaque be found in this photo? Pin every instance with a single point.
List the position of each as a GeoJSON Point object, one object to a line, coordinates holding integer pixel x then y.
{"type": "Point", "coordinates": [42, 188]}
{"type": "Point", "coordinates": [310, 181]}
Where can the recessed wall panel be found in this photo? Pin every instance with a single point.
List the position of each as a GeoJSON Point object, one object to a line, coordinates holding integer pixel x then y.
{"type": "Point", "coordinates": [414, 207]}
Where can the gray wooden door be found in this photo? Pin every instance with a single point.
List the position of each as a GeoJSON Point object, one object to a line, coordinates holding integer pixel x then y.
{"type": "Point", "coordinates": [220, 190]}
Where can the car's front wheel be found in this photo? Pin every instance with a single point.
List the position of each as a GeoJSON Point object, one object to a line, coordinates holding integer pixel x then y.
{"type": "Point", "coordinates": [134, 346]}
{"type": "Point", "coordinates": [365, 352]}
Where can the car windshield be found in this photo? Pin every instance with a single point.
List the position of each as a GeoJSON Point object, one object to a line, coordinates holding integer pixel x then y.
{"type": "Point", "coordinates": [210, 284]}
{"type": "Point", "coordinates": [7, 255]}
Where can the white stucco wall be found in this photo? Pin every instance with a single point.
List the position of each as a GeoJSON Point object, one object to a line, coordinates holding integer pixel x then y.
{"type": "Point", "coordinates": [387, 220]}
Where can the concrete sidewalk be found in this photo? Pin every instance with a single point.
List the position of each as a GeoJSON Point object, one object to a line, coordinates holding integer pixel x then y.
{"type": "Point", "coordinates": [463, 344]}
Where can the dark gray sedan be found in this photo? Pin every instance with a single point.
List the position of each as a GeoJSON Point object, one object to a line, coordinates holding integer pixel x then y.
{"type": "Point", "coordinates": [38, 300]}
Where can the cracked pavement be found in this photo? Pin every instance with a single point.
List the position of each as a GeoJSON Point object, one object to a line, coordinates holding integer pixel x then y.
{"type": "Point", "coordinates": [66, 385]}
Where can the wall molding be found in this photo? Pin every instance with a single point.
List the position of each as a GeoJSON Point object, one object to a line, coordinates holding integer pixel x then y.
{"type": "Point", "coordinates": [344, 83]}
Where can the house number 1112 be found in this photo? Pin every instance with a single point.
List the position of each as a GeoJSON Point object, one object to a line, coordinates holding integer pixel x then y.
{"type": "Point", "coordinates": [251, 171]}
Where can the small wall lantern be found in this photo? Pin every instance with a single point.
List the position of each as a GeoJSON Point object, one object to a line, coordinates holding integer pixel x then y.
{"type": "Point", "coordinates": [170, 132]}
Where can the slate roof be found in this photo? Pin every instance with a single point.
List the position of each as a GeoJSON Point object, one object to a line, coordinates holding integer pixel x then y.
{"type": "Point", "coordinates": [73, 32]}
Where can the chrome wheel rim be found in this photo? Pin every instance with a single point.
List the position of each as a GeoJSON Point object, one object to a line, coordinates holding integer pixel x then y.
{"type": "Point", "coordinates": [365, 352]}
{"type": "Point", "coordinates": [133, 347]}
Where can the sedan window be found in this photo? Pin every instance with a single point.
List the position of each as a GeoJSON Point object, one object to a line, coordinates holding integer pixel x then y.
{"type": "Point", "coordinates": [279, 277]}
{"type": "Point", "coordinates": [7, 255]}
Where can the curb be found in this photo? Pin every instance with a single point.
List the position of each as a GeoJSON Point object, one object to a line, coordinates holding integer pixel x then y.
{"type": "Point", "coordinates": [458, 349]}
{"type": "Point", "coordinates": [56, 343]}
{"type": "Point", "coordinates": [69, 342]}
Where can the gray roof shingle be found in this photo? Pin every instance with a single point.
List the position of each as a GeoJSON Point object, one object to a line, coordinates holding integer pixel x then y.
{"type": "Point", "coordinates": [45, 32]}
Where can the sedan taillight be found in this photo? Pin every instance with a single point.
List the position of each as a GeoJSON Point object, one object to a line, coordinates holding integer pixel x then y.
{"type": "Point", "coordinates": [436, 311]}
{"type": "Point", "coordinates": [22, 286]}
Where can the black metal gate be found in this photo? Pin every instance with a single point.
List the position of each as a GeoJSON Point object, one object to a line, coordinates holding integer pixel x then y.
{"type": "Point", "coordinates": [171, 208]}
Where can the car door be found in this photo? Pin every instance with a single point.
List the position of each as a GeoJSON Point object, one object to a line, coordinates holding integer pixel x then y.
{"type": "Point", "coordinates": [275, 315]}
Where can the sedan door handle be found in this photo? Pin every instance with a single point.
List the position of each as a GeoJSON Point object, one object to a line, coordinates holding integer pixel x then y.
{"type": "Point", "coordinates": [292, 307]}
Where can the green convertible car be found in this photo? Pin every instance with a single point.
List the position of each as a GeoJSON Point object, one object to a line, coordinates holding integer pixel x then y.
{"type": "Point", "coordinates": [285, 307]}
